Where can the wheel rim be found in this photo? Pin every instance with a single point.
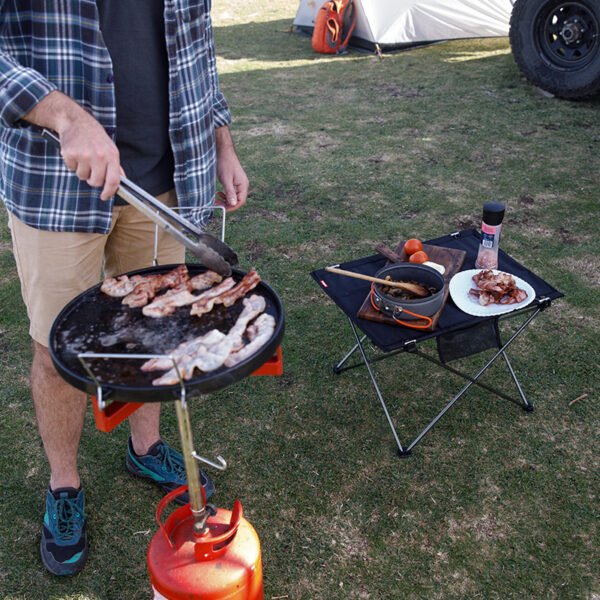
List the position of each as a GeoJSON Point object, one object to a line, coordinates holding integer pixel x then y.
{"type": "Point", "coordinates": [568, 35]}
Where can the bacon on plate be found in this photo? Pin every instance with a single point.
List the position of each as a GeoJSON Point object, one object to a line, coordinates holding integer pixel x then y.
{"type": "Point", "coordinates": [496, 288]}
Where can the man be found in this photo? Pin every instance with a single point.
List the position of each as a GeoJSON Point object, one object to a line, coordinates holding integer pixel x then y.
{"type": "Point", "coordinates": [124, 83]}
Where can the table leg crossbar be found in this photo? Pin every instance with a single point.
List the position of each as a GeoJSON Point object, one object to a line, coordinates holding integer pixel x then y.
{"type": "Point", "coordinates": [471, 380]}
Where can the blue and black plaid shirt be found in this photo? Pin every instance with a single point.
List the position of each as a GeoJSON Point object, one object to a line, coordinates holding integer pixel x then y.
{"type": "Point", "coordinates": [52, 45]}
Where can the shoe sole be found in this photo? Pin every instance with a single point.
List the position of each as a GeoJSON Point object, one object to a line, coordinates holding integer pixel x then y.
{"type": "Point", "coordinates": [62, 569]}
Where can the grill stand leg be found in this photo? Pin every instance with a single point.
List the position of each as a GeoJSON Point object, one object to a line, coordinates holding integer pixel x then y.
{"type": "Point", "coordinates": [197, 505]}
{"type": "Point", "coordinates": [406, 451]}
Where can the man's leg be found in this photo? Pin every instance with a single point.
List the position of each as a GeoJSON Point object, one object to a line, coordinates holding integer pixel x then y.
{"type": "Point", "coordinates": [60, 412]}
{"type": "Point", "coordinates": [53, 269]}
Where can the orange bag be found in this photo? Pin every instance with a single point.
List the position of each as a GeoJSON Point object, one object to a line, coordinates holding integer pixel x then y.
{"type": "Point", "coordinates": [334, 25]}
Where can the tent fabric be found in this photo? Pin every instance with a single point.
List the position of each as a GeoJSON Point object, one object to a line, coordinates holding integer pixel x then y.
{"type": "Point", "coordinates": [394, 23]}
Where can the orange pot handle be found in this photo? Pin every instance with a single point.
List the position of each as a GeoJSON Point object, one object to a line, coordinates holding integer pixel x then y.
{"type": "Point", "coordinates": [426, 321]}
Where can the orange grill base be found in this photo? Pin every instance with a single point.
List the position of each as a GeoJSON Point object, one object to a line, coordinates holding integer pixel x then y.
{"type": "Point", "coordinates": [113, 414]}
{"type": "Point", "coordinates": [274, 366]}
{"type": "Point", "coordinates": [116, 412]}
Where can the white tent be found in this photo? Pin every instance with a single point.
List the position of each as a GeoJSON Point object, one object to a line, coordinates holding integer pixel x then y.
{"type": "Point", "coordinates": [396, 23]}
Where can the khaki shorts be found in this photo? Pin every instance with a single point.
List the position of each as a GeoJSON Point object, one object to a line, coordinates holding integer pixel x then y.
{"type": "Point", "coordinates": [55, 267]}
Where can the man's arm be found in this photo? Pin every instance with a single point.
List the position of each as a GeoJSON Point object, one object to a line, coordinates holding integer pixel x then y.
{"type": "Point", "coordinates": [230, 172]}
{"type": "Point", "coordinates": [25, 94]}
{"type": "Point", "coordinates": [86, 148]}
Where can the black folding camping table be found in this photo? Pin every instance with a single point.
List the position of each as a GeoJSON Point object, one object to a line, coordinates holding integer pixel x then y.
{"type": "Point", "coordinates": [457, 333]}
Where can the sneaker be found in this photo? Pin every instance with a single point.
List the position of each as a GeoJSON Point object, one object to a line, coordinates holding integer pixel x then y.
{"type": "Point", "coordinates": [164, 466]}
{"type": "Point", "coordinates": [63, 545]}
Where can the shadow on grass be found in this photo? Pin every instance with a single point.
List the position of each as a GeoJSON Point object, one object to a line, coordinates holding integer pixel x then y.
{"type": "Point", "coordinates": [280, 41]}
{"type": "Point", "coordinates": [247, 41]}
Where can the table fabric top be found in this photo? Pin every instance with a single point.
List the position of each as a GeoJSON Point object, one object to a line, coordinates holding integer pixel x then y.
{"type": "Point", "coordinates": [349, 293]}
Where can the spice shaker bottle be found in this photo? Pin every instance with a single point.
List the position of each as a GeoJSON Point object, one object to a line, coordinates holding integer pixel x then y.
{"type": "Point", "coordinates": [491, 226]}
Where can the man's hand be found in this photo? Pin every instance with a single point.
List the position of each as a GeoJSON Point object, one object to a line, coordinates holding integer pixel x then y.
{"type": "Point", "coordinates": [230, 173]}
{"type": "Point", "coordinates": [86, 148]}
{"type": "Point", "coordinates": [91, 154]}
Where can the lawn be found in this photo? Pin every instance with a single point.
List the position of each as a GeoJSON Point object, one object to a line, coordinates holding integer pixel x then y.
{"type": "Point", "coordinates": [342, 153]}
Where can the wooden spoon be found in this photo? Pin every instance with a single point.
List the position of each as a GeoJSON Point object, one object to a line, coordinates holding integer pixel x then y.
{"type": "Point", "coordinates": [413, 288]}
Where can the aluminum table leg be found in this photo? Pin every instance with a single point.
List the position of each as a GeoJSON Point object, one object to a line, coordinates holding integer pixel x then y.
{"type": "Point", "coordinates": [377, 390]}
{"type": "Point", "coordinates": [474, 380]}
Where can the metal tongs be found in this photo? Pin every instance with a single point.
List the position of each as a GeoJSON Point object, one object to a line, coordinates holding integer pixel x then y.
{"type": "Point", "coordinates": [209, 250]}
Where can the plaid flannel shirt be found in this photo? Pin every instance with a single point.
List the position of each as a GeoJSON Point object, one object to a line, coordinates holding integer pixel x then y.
{"type": "Point", "coordinates": [46, 46]}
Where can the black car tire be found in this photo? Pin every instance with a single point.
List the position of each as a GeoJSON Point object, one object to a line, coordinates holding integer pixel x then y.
{"type": "Point", "coordinates": [556, 45]}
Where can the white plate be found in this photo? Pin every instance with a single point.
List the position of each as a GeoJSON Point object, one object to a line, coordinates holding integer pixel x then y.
{"type": "Point", "coordinates": [462, 282]}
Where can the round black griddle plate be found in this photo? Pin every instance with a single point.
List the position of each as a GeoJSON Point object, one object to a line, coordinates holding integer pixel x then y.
{"type": "Point", "coordinates": [94, 322]}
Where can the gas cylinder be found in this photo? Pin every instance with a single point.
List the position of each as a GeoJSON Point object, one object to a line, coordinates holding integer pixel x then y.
{"type": "Point", "coordinates": [223, 562]}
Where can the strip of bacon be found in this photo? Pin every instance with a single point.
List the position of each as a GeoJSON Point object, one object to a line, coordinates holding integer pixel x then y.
{"type": "Point", "coordinates": [146, 289]}
{"type": "Point", "coordinates": [165, 305]}
{"type": "Point", "coordinates": [214, 336]}
{"type": "Point", "coordinates": [118, 287]}
{"type": "Point", "coordinates": [187, 297]}
{"type": "Point", "coordinates": [262, 330]}
{"type": "Point", "coordinates": [247, 283]}
{"type": "Point", "coordinates": [212, 356]}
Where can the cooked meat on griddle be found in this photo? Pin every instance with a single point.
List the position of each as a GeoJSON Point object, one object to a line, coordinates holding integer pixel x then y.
{"type": "Point", "coordinates": [214, 336]}
{"type": "Point", "coordinates": [118, 287]}
{"type": "Point", "coordinates": [146, 289]}
{"type": "Point", "coordinates": [137, 290]}
{"type": "Point", "coordinates": [205, 304]}
{"type": "Point", "coordinates": [165, 305]}
{"type": "Point", "coordinates": [499, 288]}
{"type": "Point", "coordinates": [198, 354]}
{"type": "Point", "coordinates": [259, 334]}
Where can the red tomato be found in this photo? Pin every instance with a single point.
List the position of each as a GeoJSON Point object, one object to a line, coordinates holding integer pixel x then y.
{"type": "Point", "coordinates": [413, 245]}
{"type": "Point", "coordinates": [418, 257]}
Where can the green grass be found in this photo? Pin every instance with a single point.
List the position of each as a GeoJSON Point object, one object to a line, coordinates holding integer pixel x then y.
{"type": "Point", "coordinates": [343, 153]}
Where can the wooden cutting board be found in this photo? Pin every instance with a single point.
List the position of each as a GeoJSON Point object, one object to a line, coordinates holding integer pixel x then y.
{"type": "Point", "coordinates": [450, 258]}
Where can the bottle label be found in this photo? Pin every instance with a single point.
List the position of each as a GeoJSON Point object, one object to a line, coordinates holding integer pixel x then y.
{"type": "Point", "coordinates": [489, 233]}
{"type": "Point", "coordinates": [487, 240]}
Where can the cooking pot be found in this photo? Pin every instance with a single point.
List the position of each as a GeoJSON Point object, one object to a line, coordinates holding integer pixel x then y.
{"type": "Point", "coordinates": [417, 312]}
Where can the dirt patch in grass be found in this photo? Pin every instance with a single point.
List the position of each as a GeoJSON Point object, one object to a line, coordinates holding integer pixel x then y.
{"type": "Point", "coordinates": [312, 251]}
{"type": "Point", "coordinates": [467, 222]}
{"type": "Point", "coordinates": [348, 540]}
{"type": "Point", "coordinates": [395, 91]}
{"type": "Point", "coordinates": [255, 250]}
{"type": "Point", "coordinates": [314, 143]}
{"type": "Point", "coordinates": [347, 552]}
{"type": "Point", "coordinates": [273, 129]}
{"type": "Point", "coordinates": [457, 584]}
{"type": "Point", "coordinates": [271, 215]}
{"type": "Point", "coordinates": [587, 269]}
{"type": "Point", "coordinates": [566, 314]}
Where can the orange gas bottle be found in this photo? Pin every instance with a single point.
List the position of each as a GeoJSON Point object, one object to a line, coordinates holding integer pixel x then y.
{"type": "Point", "coordinates": [222, 563]}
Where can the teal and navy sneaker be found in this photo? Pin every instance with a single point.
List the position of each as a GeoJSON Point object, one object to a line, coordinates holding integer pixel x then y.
{"type": "Point", "coordinates": [64, 541]}
{"type": "Point", "coordinates": [164, 466]}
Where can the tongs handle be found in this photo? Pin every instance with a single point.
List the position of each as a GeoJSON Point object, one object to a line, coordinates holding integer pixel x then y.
{"type": "Point", "coordinates": [211, 251]}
